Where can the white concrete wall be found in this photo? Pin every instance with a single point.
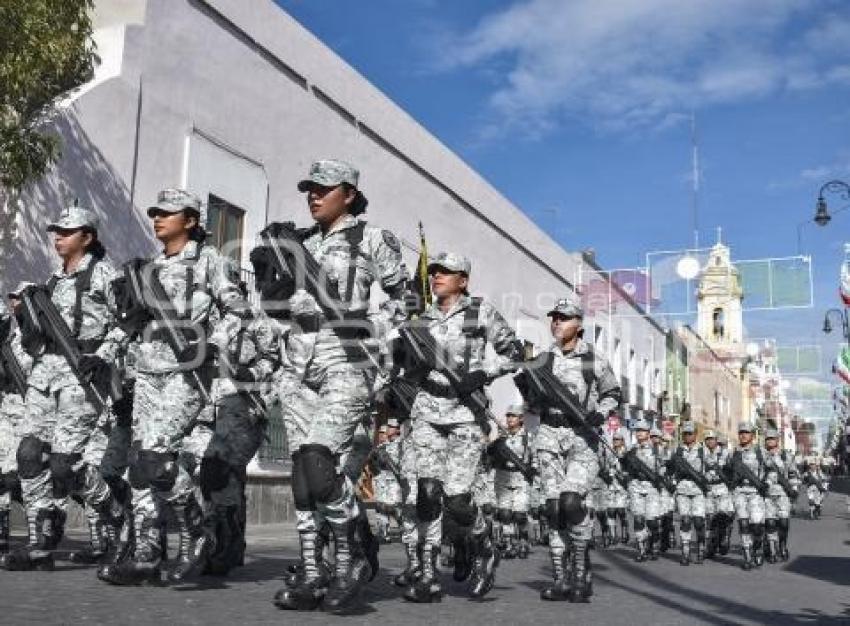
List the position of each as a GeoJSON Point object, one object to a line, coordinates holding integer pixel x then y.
{"type": "Point", "coordinates": [236, 98]}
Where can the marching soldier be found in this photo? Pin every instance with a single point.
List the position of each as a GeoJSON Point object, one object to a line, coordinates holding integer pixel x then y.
{"type": "Point", "coordinates": [777, 504]}
{"type": "Point", "coordinates": [618, 493]}
{"type": "Point", "coordinates": [388, 489]}
{"type": "Point", "coordinates": [63, 435]}
{"type": "Point", "coordinates": [512, 488]}
{"type": "Point", "coordinates": [645, 491]}
{"type": "Point", "coordinates": [748, 473]}
{"type": "Point", "coordinates": [690, 498]}
{"type": "Point", "coordinates": [567, 456]}
{"type": "Point", "coordinates": [815, 483]}
{"type": "Point", "coordinates": [719, 508]}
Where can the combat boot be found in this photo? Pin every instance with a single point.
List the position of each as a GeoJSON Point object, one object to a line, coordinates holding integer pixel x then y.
{"type": "Point", "coordinates": [145, 566]}
{"type": "Point", "coordinates": [306, 593]}
{"type": "Point", "coordinates": [747, 552]}
{"type": "Point", "coordinates": [523, 550]}
{"type": "Point", "coordinates": [686, 553]}
{"type": "Point", "coordinates": [643, 551]}
{"type": "Point", "coordinates": [426, 588]}
{"type": "Point", "coordinates": [485, 562]}
{"type": "Point", "coordinates": [772, 549]}
{"type": "Point", "coordinates": [581, 585]}
{"type": "Point", "coordinates": [758, 546]}
{"type": "Point", "coordinates": [197, 542]}
{"type": "Point", "coordinates": [4, 532]}
{"type": "Point", "coordinates": [654, 540]}
{"type": "Point", "coordinates": [462, 559]}
{"type": "Point", "coordinates": [37, 554]}
{"type": "Point", "coordinates": [104, 528]}
{"type": "Point", "coordinates": [414, 567]}
{"type": "Point", "coordinates": [368, 542]}
{"type": "Point", "coordinates": [700, 559]}
{"type": "Point", "coordinates": [352, 569]}
{"type": "Point", "coordinates": [318, 540]}
{"type": "Point", "coordinates": [559, 590]}
{"type": "Point", "coordinates": [725, 537]}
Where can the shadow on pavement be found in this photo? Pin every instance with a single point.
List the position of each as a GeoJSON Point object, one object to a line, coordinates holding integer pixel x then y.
{"type": "Point", "coordinates": [833, 569]}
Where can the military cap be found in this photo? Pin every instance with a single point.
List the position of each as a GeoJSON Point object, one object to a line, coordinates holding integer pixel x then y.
{"type": "Point", "coordinates": [330, 173]}
{"type": "Point", "coordinates": [771, 433]}
{"type": "Point", "coordinates": [654, 432]}
{"type": "Point", "coordinates": [392, 423]}
{"type": "Point", "coordinates": [174, 201]}
{"type": "Point", "coordinates": [746, 427]}
{"type": "Point", "coordinates": [74, 217]}
{"type": "Point", "coordinates": [382, 428]}
{"type": "Point", "coordinates": [450, 261]}
{"type": "Point", "coordinates": [515, 409]}
{"type": "Point", "coordinates": [688, 428]}
{"type": "Point", "coordinates": [567, 307]}
{"type": "Point", "coordinates": [619, 435]}
{"type": "Point", "coordinates": [709, 434]}
{"type": "Point", "coordinates": [641, 424]}
{"type": "Point", "coordinates": [722, 439]}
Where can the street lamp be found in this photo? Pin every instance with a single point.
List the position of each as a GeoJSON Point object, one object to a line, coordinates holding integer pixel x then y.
{"type": "Point", "coordinates": [845, 325]}
{"type": "Point", "coordinates": [822, 216]}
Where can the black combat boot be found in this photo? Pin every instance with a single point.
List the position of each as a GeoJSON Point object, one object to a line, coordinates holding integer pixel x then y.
{"type": "Point", "coordinates": [783, 539]}
{"type": "Point", "coordinates": [747, 552]}
{"type": "Point", "coordinates": [197, 542]}
{"type": "Point", "coordinates": [426, 587]}
{"type": "Point", "coordinates": [352, 569]}
{"type": "Point", "coordinates": [758, 544]}
{"type": "Point", "coordinates": [414, 566]}
{"type": "Point", "coordinates": [725, 536]}
{"type": "Point", "coordinates": [700, 550]}
{"type": "Point", "coordinates": [369, 543]}
{"type": "Point", "coordinates": [308, 591]}
{"type": "Point", "coordinates": [4, 532]}
{"type": "Point", "coordinates": [559, 590]}
{"type": "Point", "coordinates": [462, 559]}
{"type": "Point", "coordinates": [654, 541]}
{"type": "Point", "coordinates": [104, 528]}
{"type": "Point", "coordinates": [484, 565]}
{"type": "Point", "coordinates": [295, 573]}
{"type": "Point", "coordinates": [145, 566]}
{"type": "Point", "coordinates": [686, 553]}
{"type": "Point", "coordinates": [581, 585]}
{"type": "Point", "coordinates": [643, 549]}
{"type": "Point", "coordinates": [37, 554]}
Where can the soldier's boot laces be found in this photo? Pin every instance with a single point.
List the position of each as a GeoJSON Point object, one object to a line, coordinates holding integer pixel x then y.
{"type": "Point", "coordinates": [414, 567]}
{"type": "Point", "coordinates": [197, 543]}
{"type": "Point", "coordinates": [145, 566]}
{"type": "Point", "coordinates": [426, 588]}
{"type": "Point", "coordinates": [352, 569]}
{"type": "Point", "coordinates": [123, 546]}
{"type": "Point", "coordinates": [296, 573]}
{"type": "Point", "coordinates": [104, 528]}
{"type": "Point", "coordinates": [36, 555]}
{"type": "Point", "coordinates": [307, 592]}
{"type": "Point", "coordinates": [686, 553]}
{"type": "Point", "coordinates": [581, 583]}
{"type": "Point", "coordinates": [558, 591]}
{"type": "Point", "coordinates": [484, 568]}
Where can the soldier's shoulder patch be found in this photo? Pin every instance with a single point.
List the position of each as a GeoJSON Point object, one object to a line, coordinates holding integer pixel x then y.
{"type": "Point", "coordinates": [391, 240]}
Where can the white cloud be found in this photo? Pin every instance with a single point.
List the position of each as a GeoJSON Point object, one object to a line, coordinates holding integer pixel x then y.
{"type": "Point", "coordinates": [626, 63]}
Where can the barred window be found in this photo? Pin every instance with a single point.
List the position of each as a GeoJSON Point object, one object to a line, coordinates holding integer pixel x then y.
{"type": "Point", "coordinates": [225, 223]}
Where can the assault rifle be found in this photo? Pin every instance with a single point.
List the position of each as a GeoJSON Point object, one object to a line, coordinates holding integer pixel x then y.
{"type": "Point", "coordinates": [685, 470]}
{"type": "Point", "coordinates": [642, 471]}
{"type": "Point", "coordinates": [10, 369]}
{"type": "Point", "coordinates": [742, 470]}
{"type": "Point", "coordinates": [783, 481]}
{"type": "Point", "coordinates": [43, 318]}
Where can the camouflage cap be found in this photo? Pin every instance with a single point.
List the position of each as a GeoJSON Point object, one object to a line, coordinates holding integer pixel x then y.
{"type": "Point", "coordinates": [641, 424]}
{"type": "Point", "coordinates": [450, 261]}
{"type": "Point", "coordinates": [688, 428]}
{"type": "Point", "coordinates": [16, 292]}
{"type": "Point", "coordinates": [771, 433]}
{"type": "Point", "coordinates": [515, 409]}
{"type": "Point", "coordinates": [722, 439]}
{"type": "Point", "coordinates": [654, 432]}
{"type": "Point", "coordinates": [618, 434]}
{"type": "Point", "coordinates": [709, 434]}
{"type": "Point", "coordinates": [392, 423]}
{"type": "Point", "coordinates": [567, 307]}
{"type": "Point", "coordinates": [330, 173]}
{"type": "Point", "coordinates": [382, 428]}
{"type": "Point", "coordinates": [746, 427]}
{"type": "Point", "coordinates": [174, 201]}
{"type": "Point", "coordinates": [74, 217]}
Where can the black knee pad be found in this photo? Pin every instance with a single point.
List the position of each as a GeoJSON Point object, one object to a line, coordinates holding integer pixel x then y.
{"type": "Point", "coordinates": [553, 512]}
{"type": "Point", "coordinates": [115, 459]}
{"type": "Point", "coordinates": [215, 475]}
{"type": "Point", "coordinates": [429, 497]}
{"type": "Point", "coordinates": [320, 473]}
{"type": "Point", "coordinates": [699, 524]}
{"type": "Point", "coordinates": [639, 522]}
{"type": "Point", "coordinates": [33, 457]}
{"type": "Point", "coordinates": [62, 475]}
{"type": "Point", "coordinates": [758, 529]}
{"type": "Point", "coordinates": [770, 525]}
{"type": "Point", "coordinates": [685, 523]}
{"type": "Point", "coordinates": [300, 487]}
{"type": "Point", "coordinates": [572, 510]}
{"type": "Point", "coordinates": [460, 509]}
{"type": "Point", "coordinates": [504, 516]}
{"type": "Point", "coordinates": [653, 525]}
{"type": "Point", "coordinates": [783, 524]}
{"type": "Point", "coordinates": [744, 526]}
{"type": "Point", "coordinates": [520, 519]}
{"type": "Point", "coordinates": [487, 509]}
{"type": "Point", "coordinates": [157, 470]}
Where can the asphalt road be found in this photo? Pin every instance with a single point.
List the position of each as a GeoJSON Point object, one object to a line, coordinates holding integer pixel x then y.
{"type": "Point", "coordinates": [812, 588]}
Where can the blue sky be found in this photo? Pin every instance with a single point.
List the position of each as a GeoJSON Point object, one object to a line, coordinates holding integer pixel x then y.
{"type": "Point", "coordinates": [576, 109]}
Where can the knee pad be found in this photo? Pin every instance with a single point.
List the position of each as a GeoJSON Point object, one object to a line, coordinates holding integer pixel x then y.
{"type": "Point", "coordinates": [639, 522]}
{"type": "Point", "coordinates": [33, 457]}
{"type": "Point", "coordinates": [429, 499]}
{"type": "Point", "coordinates": [300, 487]}
{"type": "Point", "coordinates": [758, 529]}
{"type": "Point", "coordinates": [520, 519]}
{"type": "Point", "coordinates": [572, 510]}
{"type": "Point", "coordinates": [553, 512]}
{"type": "Point", "coordinates": [62, 475]}
{"type": "Point", "coordinates": [215, 475]}
{"type": "Point", "coordinates": [744, 526]}
{"type": "Point", "coordinates": [770, 525]}
{"type": "Point", "coordinates": [319, 466]}
{"type": "Point", "coordinates": [153, 469]}
{"type": "Point", "coordinates": [685, 523]}
{"type": "Point", "coordinates": [699, 524]}
{"type": "Point", "coordinates": [487, 509]}
{"type": "Point", "coordinates": [461, 509]}
{"type": "Point", "coordinates": [783, 524]}
{"type": "Point", "coordinates": [653, 525]}
{"type": "Point", "coordinates": [505, 516]}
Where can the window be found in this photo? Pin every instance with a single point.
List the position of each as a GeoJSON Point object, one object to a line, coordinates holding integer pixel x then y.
{"type": "Point", "coordinates": [225, 223]}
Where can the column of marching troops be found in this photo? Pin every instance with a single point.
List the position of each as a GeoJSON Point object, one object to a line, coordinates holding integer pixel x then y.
{"type": "Point", "coordinates": [141, 394]}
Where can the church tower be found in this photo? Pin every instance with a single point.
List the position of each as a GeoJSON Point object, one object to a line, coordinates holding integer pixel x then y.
{"type": "Point", "coordinates": [719, 303]}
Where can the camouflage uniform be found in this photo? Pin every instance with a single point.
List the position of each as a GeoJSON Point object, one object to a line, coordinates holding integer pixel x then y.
{"type": "Point", "coordinates": [645, 501]}
{"type": "Point", "coordinates": [608, 494]}
{"type": "Point", "coordinates": [329, 394]}
{"type": "Point", "coordinates": [816, 486]}
{"type": "Point", "coordinates": [512, 495]}
{"type": "Point", "coordinates": [690, 500]}
{"type": "Point", "coordinates": [719, 508]}
{"type": "Point", "coordinates": [388, 490]}
{"type": "Point", "coordinates": [749, 503]}
{"type": "Point", "coordinates": [777, 504]}
{"type": "Point", "coordinates": [59, 416]}
{"type": "Point", "coordinates": [618, 496]}
{"type": "Point", "coordinates": [409, 521]}
{"type": "Point", "coordinates": [668, 500]}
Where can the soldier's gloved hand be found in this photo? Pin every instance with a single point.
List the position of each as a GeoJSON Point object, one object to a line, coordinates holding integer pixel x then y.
{"type": "Point", "coordinates": [472, 382]}
{"type": "Point", "coordinates": [596, 419]}
{"type": "Point", "coordinates": [243, 374]}
{"type": "Point", "coordinates": [382, 458]}
{"type": "Point", "coordinates": [94, 369]}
